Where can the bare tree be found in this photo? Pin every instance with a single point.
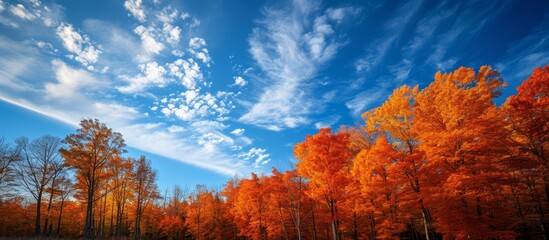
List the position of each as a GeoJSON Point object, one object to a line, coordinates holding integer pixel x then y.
{"type": "Point", "coordinates": [9, 155]}
{"type": "Point", "coordinates": [41, 163]}
{"type": "Point", "coordinates": [58, 170]}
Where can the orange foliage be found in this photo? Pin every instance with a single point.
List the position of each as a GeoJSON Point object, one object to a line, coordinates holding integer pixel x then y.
{"type": "Point", "coordinates": [443, 162]}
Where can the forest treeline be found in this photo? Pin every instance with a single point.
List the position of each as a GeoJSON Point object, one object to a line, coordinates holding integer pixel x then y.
{"type": "Point", "coordinates": [442, 162]}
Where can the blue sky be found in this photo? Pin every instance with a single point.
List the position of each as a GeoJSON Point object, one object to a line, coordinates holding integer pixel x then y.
{"type": "Point", "coordinates": [210, 89]}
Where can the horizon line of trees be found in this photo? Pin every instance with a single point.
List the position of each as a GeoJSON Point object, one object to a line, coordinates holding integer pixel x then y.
{"type": "Point", "coordinates": [442, 162]}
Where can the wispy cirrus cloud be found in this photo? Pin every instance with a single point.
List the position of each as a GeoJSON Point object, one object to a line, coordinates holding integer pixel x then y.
{"type": "Point", "coordinates": [291, 46]}
{"type": "Point", "coordinates": [375, 55]}
{"type": "Point", "coordinates": [527, 53]}
{"type": "Point", "coordinates": [393, 29]}
{"type": "Point", "coordinates": [465, 27]}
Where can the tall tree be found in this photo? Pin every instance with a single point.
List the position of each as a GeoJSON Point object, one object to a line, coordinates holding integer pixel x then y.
{"type": "Point", "coordinates": [88, 152]}
{"type": "Point", "coordinates": [41, 163]}
{"type": "Point", "coordinates": [527, 118]}
{"type": "Point", "coordinates": [381, 187]}
{"type": "Point", "coordinates": [250, 207]}
{"type": "Point", "coordinates": [394, 119]}
{"type": "Point", "coordinates": [145, 190]}
{"type": "Point", "coordinates": [65, 188]}
{"type": "Point", "coordinates": [121, 184]}
{"type": "Point", "coordinates": [460, 129]}
{"type": "Point", "coordinates": [325, 160]}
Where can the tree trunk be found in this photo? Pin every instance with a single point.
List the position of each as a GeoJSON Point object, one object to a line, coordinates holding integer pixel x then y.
{"type": "Point", "coordinates": [59, 219]}
{"type": "Point", "coordinates": [112, 216]}
{"type": "Point", "coordinates": [38, 207]}
{"type": "Point", "coordinates": [355, 227]}
{"type": "Point", "coordinates": [282, 222]}
{"type": "Point", "coordinates": [49, 205]}
{"type": "Point", "coordinates": [546, 185]}
{"type": "Point", "coordinates": [314, 223]}
{"type": "Point", "coordinates": [88, 227]}
{"type": "Point", "coordinates": [425, 222]}
{"type": "Point", "coordinates": [334, 223]}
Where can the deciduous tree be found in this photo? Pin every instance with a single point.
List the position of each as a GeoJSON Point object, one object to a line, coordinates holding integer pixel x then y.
{"type": "Point", "coordinates": [88, 152]}
{"type": "Point", "coordinates": [40, 165]}
{"type": "Point", "coordinates": [325, 159]}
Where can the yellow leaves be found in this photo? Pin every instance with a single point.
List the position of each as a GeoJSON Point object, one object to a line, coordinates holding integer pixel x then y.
{"type": "Point", "coordinates": [394, 116]}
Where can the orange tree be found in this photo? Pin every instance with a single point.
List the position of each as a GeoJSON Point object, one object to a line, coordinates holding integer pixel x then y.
{"type": "Point", "coordinates": [324, 159]}
{"type": "Point", "coordinates": [88, 151]}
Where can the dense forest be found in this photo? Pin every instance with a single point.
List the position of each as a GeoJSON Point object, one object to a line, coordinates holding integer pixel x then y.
{"type": "Point", "coordinates": [442, 162]}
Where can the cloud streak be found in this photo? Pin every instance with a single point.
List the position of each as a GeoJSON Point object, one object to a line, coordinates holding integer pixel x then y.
{"type": "Point", "coordinates": [291, 46]}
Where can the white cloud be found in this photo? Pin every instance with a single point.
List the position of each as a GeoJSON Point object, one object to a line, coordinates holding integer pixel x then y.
{"type": "Point", "coordinates": [214, 138]}
{"type": "Point", "coordinates": [171, 33]}
{"type": "Point", "coordinates": [178, 53]}
{"type": "Point", "coordinates": [20, 11]}
{"type": "Point", "coordinates": [151, 75]}
{"type": "Point", "coordinates": [338, 14]}
{"type": "Point", "coordinates": [167, 15]}
{"type": "Point", "coordinates": [187, 71]}
{"type": "Point", "coordinates": [185, 15]}
{"type": "Point", "coordinates": [290, 46]}
{"type": "Point", "coordinates": [2, 7]}
{"type": "Point", "coordinates": [328, 122]}
{"type": "Point", "coordinates": [194, 23]}
{"type": "Point", "coordinates": [239, 81]}
{"type": "Point", "coordinates": [401, 70]}
{"type": "Point", "coordinates": [136, 9]}
{"type": "Point", "coordinates": [192, 106]}
{"type": "Point", "coordinates": [238, 131]}
{"type": "Point", "coordinates": [204, 126]}
{"type": "Point", "coordinates": [366, 99]}
{"type": "Point", "coordinates": [70, 81]}
{"type": "Point", "coordinates": [81, 46]}
{"type": "Point", "coordinates": [148, 39]}
{"type": "Point", "coordinates": [197, 43]}
{"type": "Point", "coordinates": [197, 47]}
{"type": "Point", "coordinates": [36, 3]}
{"type": "Point", "coordinates": [258, 155]}
{"type": "Point", "coordinates": [175, 129]}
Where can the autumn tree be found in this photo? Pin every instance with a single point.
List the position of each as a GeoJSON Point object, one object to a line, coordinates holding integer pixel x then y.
{"type": "Point", "coordinates": [394, 118]}
{"type": "Point", "coordinates": [145, 190]}
{"type": "Point", "coordinates": [250, 207]}
{"type": "Point", "coordinates": [528, 118]}
{"type": "Point", "coordinates": [373, 169]}
{"type": "Point", "coordinates": [40, 165]}
{"type": "Point", "coordinates": [172, 228]}
{"type": "Point", "coordinates": [460, 130]}
{"type": "Point", "coordinates": [65, 187]}
{"type": "Point", "coordinates": [121, 185]}
{"type": "Point", "coordinates": [230, 194]}
{"type": "Point", "coordinates": [324, 159]}
{"type": "Point", "coordinates": [88, 152]}
{"type": "Point", "coordinates": [197, 211]}
{"type": "Point", "coordinates": [528, 130]}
